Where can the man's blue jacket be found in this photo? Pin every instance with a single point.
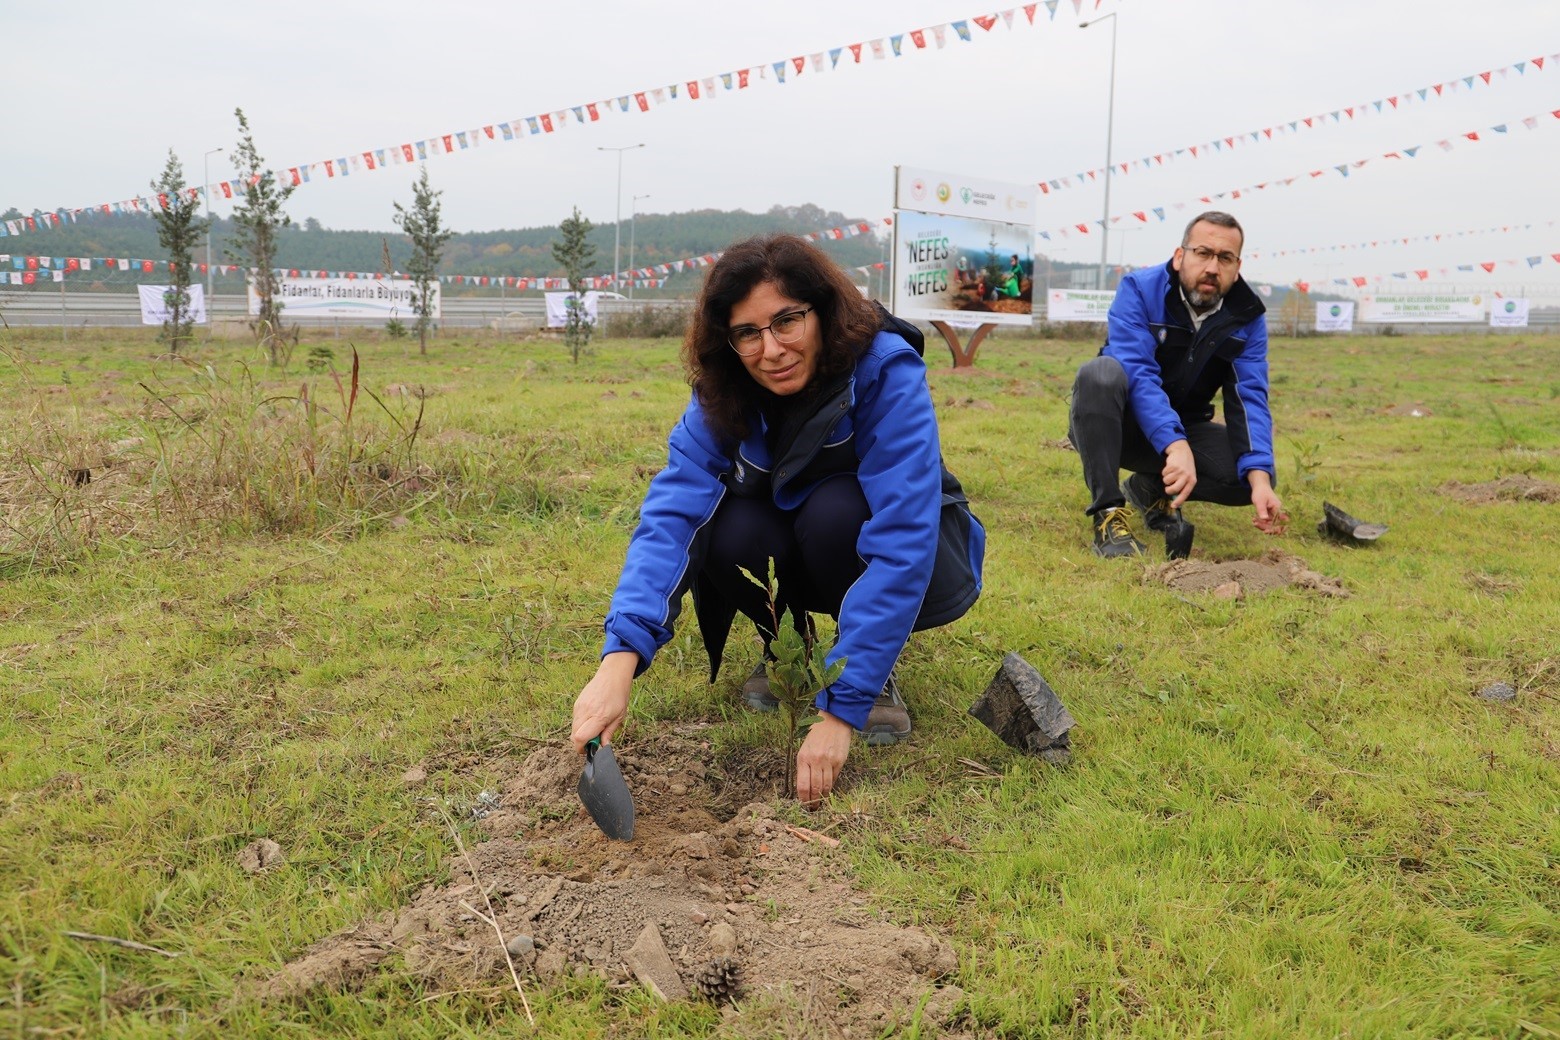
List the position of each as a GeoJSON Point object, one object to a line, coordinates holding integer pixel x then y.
{"type": "Point", "coordinates": [1173, 372]}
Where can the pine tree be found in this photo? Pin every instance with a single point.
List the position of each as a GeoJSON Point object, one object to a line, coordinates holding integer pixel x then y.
{"type": "Point", "coordinates": [179, 228]}
{"type": "Point", "coordinates": [575, 254]}
{"type": "Point", "coordinates": [421, 224]}
{"type": "Point", "coordinates": [257, 222]}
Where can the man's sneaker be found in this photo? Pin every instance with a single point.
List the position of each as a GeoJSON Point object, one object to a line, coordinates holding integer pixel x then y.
{"type": "Point", "coordinates": [1113, 534]}
{"type": "Point", "coordinates": [755, 691]}
{"type": "Point", "coordinates": [889, 721]}
{"type": "Point", "coordinates": [1158, 516]}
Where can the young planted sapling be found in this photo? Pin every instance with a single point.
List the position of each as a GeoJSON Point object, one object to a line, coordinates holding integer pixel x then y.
{"type": "Point", "coordinates": [797, 670]}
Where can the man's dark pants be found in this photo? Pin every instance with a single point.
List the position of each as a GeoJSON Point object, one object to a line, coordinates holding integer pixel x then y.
{"type": "Point", "coordinates": [1108, 439]}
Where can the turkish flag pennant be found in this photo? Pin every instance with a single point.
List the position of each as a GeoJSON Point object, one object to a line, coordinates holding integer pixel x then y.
{"type": "Point", "coordinates": [742, 79]}
{"type": "Point", "coordinates": [1029, 12]}
{"type": "Point", "coordinates": [547, 123]}
{"type": "Point", "coordinates": [146, 266]}
{"type": "Point", "coordinates": [1488, 267]}
{"type": "Point", "coordinates": [72, 264]}
{"type": "Point", "coordinates": [595, 113]}
{"type": "Point", "coordinates": [985, 21]}
{"type": "Point", "coordinates": [800, 63]}
{"type": "Point", "coordinates": [693, 89]}
{"type": "Point", "coordinates": [919, 36]}
{"type": "Point", "coordinates": [642, 101]}
{"type": "Point", "coordinates": [29, 278]}
{"type": "Point", "coordinates": [368, 160]}
{"type": "Point", "coordinates": [330, 167]}
{"type": "Point", "coordinates": [292, 171]}
{"type": "Point", "coordinates": [162, 200]}
{"type": "Point", "coordinates": [855, 52]}
{"type": "Point", "coordinates": [32, 263]}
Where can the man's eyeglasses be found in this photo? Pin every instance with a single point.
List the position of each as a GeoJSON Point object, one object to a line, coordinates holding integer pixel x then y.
{"type": "Point", "coordinates": [786, 329]}
{"type": "Point", "coordinates": [1204, 254]}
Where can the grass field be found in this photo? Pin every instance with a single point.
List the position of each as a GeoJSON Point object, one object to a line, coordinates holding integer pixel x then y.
{"type": "Point", "coordinates": [237, 605]}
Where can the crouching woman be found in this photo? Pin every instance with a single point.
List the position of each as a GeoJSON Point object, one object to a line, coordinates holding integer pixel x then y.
{"type": "Point", "coordinates": [810, 440]}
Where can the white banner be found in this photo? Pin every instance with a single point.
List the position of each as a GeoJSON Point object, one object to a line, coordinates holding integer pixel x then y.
{"type": "Point", "coordinates": [154, 304]}
{"type": "Point", "coordinates": [955, 195]}
{"type": "Point", "coordinates": [1335, 317]}
{"type": "Point", "coordinates": [958, 269]}
{"type": "Point", "coordinates": [1418, 309]}
{"type": "Point", "coordinates": [558, 308]}
{"type": "Point", "coordinates": [1078, 305]}
{"type": "Point", "coordinates": [1508, 314]}
{"type": "Point", "coordinates": [374, 299]}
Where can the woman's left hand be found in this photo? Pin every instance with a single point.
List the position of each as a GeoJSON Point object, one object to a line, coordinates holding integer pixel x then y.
{"type": "Point", "coordinates": [822, 756]}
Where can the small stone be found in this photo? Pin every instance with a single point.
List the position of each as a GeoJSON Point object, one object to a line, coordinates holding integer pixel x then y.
{"type": "Point", "coordinates": [1229, 590]}
{"type": "Point", "coordinates": [653, 966]}
{"type": "Point", "coordinates": [521, 946]}
{"type": "Point", "coordinates": [678, 790]}
{"type": "Point", "coordinates": [698, 917]}
{"type": "Point", "coordinates": [1498, 691]}
{"type": "Point", "coordinates": [748, 890]}
{"type": "Point", "coordinates": [415, 775]}
{"type": "Point", "coordinates": [723, 940]}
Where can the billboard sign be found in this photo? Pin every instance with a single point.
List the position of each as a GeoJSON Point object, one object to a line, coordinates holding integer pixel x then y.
{"type": "Point", "coordinates": [1408, 308]}
{"type": "Point", "coordinates": [1078, 305]}
{"type": "Point", "coordinates": [370, 299]}
{"type": "Point", "coordinates": [1336, 316]}
{"type": "Point", "coordinates": [962, 269]}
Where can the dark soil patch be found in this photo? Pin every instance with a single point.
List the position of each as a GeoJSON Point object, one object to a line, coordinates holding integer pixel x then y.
{"type": "Point", "coordinates": [710, 866]}
{"type": "Point", "coordinates": [1236, 579]}
{"type": "Point", "coordinates": [1514, 487]}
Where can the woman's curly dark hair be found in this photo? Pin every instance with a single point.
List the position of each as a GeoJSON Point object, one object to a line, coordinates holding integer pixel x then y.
{"type": "Point", "coordinates": [801, 271]}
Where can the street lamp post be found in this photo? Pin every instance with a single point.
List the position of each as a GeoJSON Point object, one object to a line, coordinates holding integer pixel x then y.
{"type": "Point", "coordinates": [633, 217]}
{"type": "Point", "coordinates": [1110, 119]}
{"type": "Point", "coordinates": [206, 192]}
{"type": "Point", "coordinates": [617, 228]}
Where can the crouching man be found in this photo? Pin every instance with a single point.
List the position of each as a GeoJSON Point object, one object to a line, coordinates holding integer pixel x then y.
{"type": "Point", "coordinates": [1175, 335]}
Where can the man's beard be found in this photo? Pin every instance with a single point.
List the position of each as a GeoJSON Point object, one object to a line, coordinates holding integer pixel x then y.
{"type": "Point", "coordinates": [1203, 300]}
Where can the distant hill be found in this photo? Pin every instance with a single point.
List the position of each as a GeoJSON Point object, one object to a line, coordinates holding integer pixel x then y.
{"type": "Point", "coordinates": [526, 252]}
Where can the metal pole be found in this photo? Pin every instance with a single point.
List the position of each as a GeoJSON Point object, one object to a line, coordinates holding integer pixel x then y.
{"type": "Point", "coordinates": [1110, 122]}
{"type": "Point", "coordinates": [633, 217]}
{"type": "Point", "coordinates": [617, 228]}
{"type": "Point", "coordinates": [206, 193]}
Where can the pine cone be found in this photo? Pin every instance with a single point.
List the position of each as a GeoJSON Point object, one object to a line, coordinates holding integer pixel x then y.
{"type": "Point", "coordinates": [718, 980]}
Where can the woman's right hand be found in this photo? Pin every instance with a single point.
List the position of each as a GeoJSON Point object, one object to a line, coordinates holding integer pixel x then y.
{"type": "Point", "coordinates": [602, 705]}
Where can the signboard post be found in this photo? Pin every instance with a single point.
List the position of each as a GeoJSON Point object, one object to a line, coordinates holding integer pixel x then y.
{"type": "Point", "coordinates": [1337, 316]}
{"type": "Point", "coordinates": [1509, 314]}
{"type": "Point", "coordinates": [1420, 309]}
{"type": "Point", "coordinates": [963, 254]}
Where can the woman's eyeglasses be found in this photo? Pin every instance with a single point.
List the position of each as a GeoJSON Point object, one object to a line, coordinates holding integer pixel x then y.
{"type": "Point", "coordinates": [786, 329]}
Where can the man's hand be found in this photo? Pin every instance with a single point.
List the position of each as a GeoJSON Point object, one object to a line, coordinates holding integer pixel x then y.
{"type": "Point", "coordinates": [1270, 518]}
{"type": "Point", "coordinates": [822, 756]}
{"type": "Point", "coordinates": [1180, 472]}
{"type": "Point", "coordinates": [601, 706]}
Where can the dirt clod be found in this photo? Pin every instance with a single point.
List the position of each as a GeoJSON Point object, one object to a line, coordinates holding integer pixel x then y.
{"type": "Point", "coordinates": [1498, 691]}
{"type": "Point", "coordinates": [710, 873]}
{"type": "Point", "coordinates": [1514, 487]}
{"type": "Point", "coordinates": [260, 854]}
{"type": "Point", "coordinates": [1237, 579]}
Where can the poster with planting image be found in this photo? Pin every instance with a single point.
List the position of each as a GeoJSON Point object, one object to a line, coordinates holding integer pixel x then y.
{"type": "Point", "coordinates": [950, 268]}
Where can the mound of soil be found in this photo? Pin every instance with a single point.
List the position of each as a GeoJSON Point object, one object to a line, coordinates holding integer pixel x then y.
{"type": "Point", "coordinates": [1236, 579]}
{"type": "Point", "coordinates": [714, 880]}
{"type": "Point", "coordinates": [1515, 487]}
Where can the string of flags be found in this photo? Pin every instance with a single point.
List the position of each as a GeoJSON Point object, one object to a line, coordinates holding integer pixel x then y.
{"type": "Point", "coordinates": [704, 88]}
{"type": "Point", "coordinates": [1403, 240]}
{"type": "Point", "coordinates": [1347, 114]}
{"type": "Point", "coordinates": [1360, 281]}
{"type": "Point", "coordinates": [1156, 214]}
{"type": "Point", "coordinates": [29, 270]}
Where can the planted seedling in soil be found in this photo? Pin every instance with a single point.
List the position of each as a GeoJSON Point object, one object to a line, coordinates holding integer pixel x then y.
{"type": "Point", "coordinates": [796, 667]}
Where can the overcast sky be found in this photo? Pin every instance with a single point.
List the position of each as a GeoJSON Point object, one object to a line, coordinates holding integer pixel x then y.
{"type": "Point", "coordinates": [98, 93]}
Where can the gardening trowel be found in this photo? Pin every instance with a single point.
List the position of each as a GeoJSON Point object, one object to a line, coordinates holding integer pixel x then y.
{"type": "Point", "coordinates": [604, 793]}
